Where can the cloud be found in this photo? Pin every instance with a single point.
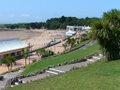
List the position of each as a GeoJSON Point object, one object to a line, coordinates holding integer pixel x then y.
{"type": "Point", "coordinates": [12, 16]}
{"type": "Point", "coordinates": [19, 17]}
{"type": "Point", "coordinates": [25, 15]}
{"type": "Point", "coordinates": [38, 17]}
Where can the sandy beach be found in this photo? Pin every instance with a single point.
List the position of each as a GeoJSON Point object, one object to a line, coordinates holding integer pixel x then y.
{"type": "Point", "coordinates": [37, 38]}
{"type": "Point", "coordinates": [45, 37]}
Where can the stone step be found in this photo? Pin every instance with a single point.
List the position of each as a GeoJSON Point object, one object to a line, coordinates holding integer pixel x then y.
{"type": "Point", "coordinates": [51, 72]}
{"type": "Point", "coordinates": [56, 70]}
{"type": "Point", "coordinates": [96, 57]}
{"type": "Point", "coordinates": [91, 60]}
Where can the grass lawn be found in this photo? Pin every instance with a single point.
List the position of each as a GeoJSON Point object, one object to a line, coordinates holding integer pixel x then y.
{"type": "Point", "coordinates": [98, 76]}
{"type": "Point", "coordinates": [61, 59]}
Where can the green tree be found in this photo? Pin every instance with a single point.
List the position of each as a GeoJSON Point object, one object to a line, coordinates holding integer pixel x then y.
{"type": "Point", "coordinates": [26, 55]}
{"type": "Point", "coordinates": [90, 35]}
{"type": "Point", "coordinates": [40, 52]}
{"type": "Point", "coordinates": [65, 46]}
{"type": "Point", "coordinates": [71, 42]}
{"type": "Point", "coordinates": [107, 31]}
{"type": "Point", "coordinates": [6, 62]}
{"type": "Point", "coordinates": [12, 60]}
{"type": "Point", "coordinates": [84, 37]}
{"type": "Point", "coordinates": [9, 60]}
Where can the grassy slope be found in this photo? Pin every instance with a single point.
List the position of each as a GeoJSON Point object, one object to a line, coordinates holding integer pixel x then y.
{"type": "Point", "coordinates": [98, 76]}
{"type": "Point", "coordinates": [61, 59]}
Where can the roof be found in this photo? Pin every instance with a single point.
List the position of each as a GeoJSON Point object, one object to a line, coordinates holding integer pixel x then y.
{"type": "Point", "coordinates": [11, 44]}
{"type": "Point", "coordinates": [70, 33]}
{"type": "Point", "coordinates": [74, 26]}
{"type": "Point", "coordinates": [81, 27]}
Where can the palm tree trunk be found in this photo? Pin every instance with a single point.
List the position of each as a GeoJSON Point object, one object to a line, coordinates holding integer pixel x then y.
{"type": "Point", "coordinates": [8, 67]}
{"type": "Point", "coordinates": [11, 66]}
{"type": "Point", "coordinates": [29, 59]}
{"type": "Point", "coordinates": [25, 62]}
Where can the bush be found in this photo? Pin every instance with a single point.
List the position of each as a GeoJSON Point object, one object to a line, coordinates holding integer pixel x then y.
{"type": "Point", "coordinates": [47, 54]}
{"type": "Point", "coordinates": [34, 61]}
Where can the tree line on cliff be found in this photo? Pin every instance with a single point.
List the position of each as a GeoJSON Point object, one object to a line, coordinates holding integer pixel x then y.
{"type": "Point", "coordinates": [54, 23]}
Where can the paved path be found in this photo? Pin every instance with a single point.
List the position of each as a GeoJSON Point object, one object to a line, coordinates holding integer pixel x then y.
{"type": "Point", "coordinates": [62, 68]}
{"type": "Point", "coordinates": [65, 68]}
{"type": "Point", "coordinates": [9, 76]}
{"type": "Point", "coordinates": [59, 69]}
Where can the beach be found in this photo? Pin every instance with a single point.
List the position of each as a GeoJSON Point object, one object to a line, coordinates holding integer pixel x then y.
{"type": "Point", "coordinates": [37, 38]}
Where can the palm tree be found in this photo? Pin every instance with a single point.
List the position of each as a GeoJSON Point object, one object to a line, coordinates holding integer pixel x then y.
{"type": "Point", "coordinates": [8, 61]}
{"type": "Point", "coordinates": [65, 46]}
{"type": "Point", "coordinates": [107, 31]}
{"type": "Point", "coordinates": [25, 55]}
{"type": "Point", "coordinates": [71, 42]}
{"type": "Point", "coordinates": [12, 60]}
{"type": "Point", "coordinates": [40, 52]}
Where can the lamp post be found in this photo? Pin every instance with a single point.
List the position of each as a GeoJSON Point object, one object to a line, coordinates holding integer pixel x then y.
{"type": "Point", "coordinates": [54, 45]}
{"type": "Point", "coordinates": [29, 52]}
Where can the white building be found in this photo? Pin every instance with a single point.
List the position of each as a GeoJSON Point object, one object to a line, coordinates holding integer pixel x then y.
{"type": "Point", "coordinates": [78, 28]}
{"type": "Point", "coordinates": [86, 28]}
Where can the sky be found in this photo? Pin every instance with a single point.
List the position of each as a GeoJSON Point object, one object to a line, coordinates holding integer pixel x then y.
{"type": "Point", "coordinates": [17, 11]}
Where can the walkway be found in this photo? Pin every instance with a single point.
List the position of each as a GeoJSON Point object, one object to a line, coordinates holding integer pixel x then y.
{"type": "Point", "coordinates": [50, 72]}
{"type": "Point", "coordinates": [61, 69]}
{"type": "Point", "coordinates": [7, 77]}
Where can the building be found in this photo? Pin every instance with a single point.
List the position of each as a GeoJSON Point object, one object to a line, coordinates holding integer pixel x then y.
{"type": "Point", "coordinates": [87, 28]}
{"type": "Point", "coordinates": [78, 28]}
{"type": "Point", "coordinates": [12, 47]}
{"type": "Point", "coordinates": [74, 28]}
